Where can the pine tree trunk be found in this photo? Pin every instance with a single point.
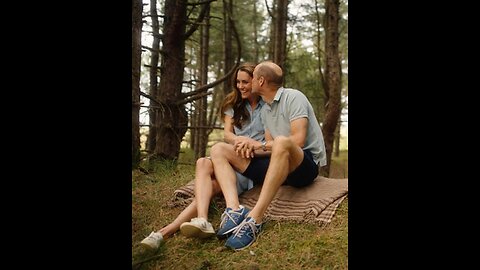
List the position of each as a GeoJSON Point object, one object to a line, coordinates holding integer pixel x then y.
{"type": "Point", "coordinates": [203, 138]}
{"type": "Point", "coordinates": [255, 33]}
{"type": "Point", "coordinates": [172, 118]}
{"type": "Point", "coordinates": [227, 39]}
{"type": "Point", "coordinates": [280, 47]}
{"type": "Point", "coordinates": [319, 53]}
{"type": "Point", "coordinates": [136, 56]}
{"type": "Point", "coordinates": [153, 111]}
{"type": "Point", "coordinates": [194, 123]}
{"type": "Point", "coordinates": [333, 77]}
{"type": "Point", "coordinates": [273, 29]}
{"type": "Point", "coordinates": [201, 132]}
{"type": "Point", "coordinates": [337, 139]}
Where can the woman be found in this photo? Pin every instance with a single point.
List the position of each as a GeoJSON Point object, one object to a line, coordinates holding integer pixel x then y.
{"type": "Point", "coordinates": [241, 115]}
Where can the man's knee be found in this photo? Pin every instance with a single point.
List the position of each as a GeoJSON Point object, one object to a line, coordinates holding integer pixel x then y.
{"type": "Point", "coordinates": [282, 143]}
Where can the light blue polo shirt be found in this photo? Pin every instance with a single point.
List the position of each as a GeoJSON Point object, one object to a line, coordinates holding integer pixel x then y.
{"type": "Point", "coordinates": [254, 127]}
{"type": "Point", "coordinates": [288, 105]}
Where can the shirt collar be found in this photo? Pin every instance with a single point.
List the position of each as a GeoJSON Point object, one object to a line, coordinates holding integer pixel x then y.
{"type": "Point", "coordinates": [259, 105]}
{"type": "Point", "coordinates": [278, 95]}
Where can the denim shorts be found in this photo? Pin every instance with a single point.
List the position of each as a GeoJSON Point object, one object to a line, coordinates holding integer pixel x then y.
{"type": "Point", "coordinates": [243, 183]}
{"type": "Point", "coordinates": [303, 175]}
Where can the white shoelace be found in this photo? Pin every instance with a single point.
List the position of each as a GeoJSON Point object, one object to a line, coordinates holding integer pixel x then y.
{"type": "Point", "coordinates": [226, 215]}
{"type": "Point", "coordinates": [200, 221]}
{"type": "Point", "coordinates": [242, 228]}
{"type": "Point", "coordinates": [155, 236]}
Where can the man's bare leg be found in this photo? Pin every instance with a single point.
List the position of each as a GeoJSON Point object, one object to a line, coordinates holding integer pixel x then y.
{"type": "Point", "coordinates": [286, 157]}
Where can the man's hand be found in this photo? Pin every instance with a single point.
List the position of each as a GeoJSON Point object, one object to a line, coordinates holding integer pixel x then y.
{"type": "Point", "coordinates": [244, 147]}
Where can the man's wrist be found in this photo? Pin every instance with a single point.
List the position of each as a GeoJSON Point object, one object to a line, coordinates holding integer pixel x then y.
{"type": "Point", "coordinates": [264, 146]}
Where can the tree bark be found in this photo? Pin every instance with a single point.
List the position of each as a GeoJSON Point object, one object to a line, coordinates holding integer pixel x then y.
{"type": "Point", "coordinates": [333, 77]}
{"type": "Point", "coordinates": [227, 39]}
{"type": "Point", "coordinates": [255, 33]}
{"type": "Point", "coordinates": [152, 112]}
{"type": "Point", "coordinates": [280, 47]}
{"type": "Point", "coordinates": [273, 31]}
{"type": "Point", "coordinates": [337, 139]}
{"type": "Point", "coordinates": [136, 58]}
{"type": "Point", "coordinates": [203, 106]}
{"type": "Point", "coordinates": [319, 53]}
{"type": "Point", "coordinates": [172, 117]}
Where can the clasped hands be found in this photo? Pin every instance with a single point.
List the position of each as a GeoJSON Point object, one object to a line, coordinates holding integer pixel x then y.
{"type": "Point", "coordinates": [244, 147]}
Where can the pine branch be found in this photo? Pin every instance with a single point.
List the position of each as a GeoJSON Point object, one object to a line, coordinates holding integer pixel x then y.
{"type": "Point", "coordinates": [193, 98]}
{"type": "Point", "coordinates": [194, 27]}
{"type": "Point", "coordinates": [201, 3]}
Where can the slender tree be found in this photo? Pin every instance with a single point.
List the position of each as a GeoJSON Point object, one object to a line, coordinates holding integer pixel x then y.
{"type": "Point", "coordinates": [318, 26]}
{"type": "Point", "coordinates": [136, 56]}
{"type": "Point", "coordinates": [228, 57]}
{"type": "Point", "coordinates": [154, 57]}
{"type": "Point", "coordinates": [171, 117]}
{"type": "Point", "coordinates": [255, 32]}
{"type": "Point", "coordinates": [333, 76]}
{"type": "Point", "coordinates": [136, 62]}
{"type": "Point", "coordinates": [202, 140]}
{"type": "Point", "coordinates": [272, 30]}
{"type": "Point", "coordinates": [280, 38]}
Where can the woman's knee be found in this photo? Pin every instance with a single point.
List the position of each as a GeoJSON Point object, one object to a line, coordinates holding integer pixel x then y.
{"type": "Point", "coordinates": [204, 164]}
{"type": "Point", "coordinates": [218, 149]}
{"type": "Point", "coordinates": [204, 161]}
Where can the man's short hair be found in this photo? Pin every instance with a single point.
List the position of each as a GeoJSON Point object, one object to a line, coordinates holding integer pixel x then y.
{"type": "Point", "coordinates": [271, 71]}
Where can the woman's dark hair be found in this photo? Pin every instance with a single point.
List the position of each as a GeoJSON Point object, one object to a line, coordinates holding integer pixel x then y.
{"type": "Point", "coordinates": [234, 98]}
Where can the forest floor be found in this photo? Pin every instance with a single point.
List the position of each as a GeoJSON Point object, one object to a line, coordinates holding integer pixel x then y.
{"type": "Point", "coordinates": [281, 245]}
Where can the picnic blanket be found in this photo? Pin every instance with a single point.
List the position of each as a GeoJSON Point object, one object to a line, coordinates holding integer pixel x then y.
{"type": "Point", "coordinates": [315, 203]}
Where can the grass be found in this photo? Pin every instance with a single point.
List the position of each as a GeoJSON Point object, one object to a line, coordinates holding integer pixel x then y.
{"type": "Point", "coordinates": [282, 245]}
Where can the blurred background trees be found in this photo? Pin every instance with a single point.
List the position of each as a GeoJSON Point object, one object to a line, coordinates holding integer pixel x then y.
{"type": "Point", "coordinates": [185, 51]}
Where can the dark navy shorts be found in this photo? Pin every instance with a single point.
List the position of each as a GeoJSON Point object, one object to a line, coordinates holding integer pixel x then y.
{"type": "Point", "coordinates": [303, 175]}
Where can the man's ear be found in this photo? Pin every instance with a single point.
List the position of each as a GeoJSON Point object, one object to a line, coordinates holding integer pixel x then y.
{"type": "Point", "coordinates": [261, 80]}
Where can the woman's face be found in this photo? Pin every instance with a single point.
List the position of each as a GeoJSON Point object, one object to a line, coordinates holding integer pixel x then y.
{"type": "Point", "coordinates": [244, 84]}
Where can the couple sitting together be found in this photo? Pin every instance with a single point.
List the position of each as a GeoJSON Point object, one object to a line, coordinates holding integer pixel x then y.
{"type": "Point", "coordinates": [272, 138]}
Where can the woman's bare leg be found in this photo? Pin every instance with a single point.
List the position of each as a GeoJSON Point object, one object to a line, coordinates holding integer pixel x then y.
{"type": "Point", "coordinates": [205, 189]}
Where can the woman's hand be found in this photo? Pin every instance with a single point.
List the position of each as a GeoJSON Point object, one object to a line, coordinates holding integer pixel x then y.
{"type": "Point", "coordinates": [244, 147]}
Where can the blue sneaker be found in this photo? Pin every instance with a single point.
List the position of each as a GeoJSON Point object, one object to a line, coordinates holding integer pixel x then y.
{"type": "Point", "coordinates": [230, 220]}
{"type": "Point", "coordinates": [245, 234]}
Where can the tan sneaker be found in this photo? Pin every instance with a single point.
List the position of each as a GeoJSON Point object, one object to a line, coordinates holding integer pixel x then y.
{"type": "Point", "coordinates": [197, 227]}
{"type": "Point", "coordinates": [153, 240]}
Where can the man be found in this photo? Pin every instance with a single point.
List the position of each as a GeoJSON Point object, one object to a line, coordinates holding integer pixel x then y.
{"type": "Point", "coordinates": [297, 150]}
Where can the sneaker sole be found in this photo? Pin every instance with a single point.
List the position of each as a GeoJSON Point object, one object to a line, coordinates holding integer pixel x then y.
{"type": "Point", "coordinates": [226, 234]}
{"type": "Point", "coordinates": [238, 249]}
{"type": "Point", "coordinates": [147, 246]}
{"type": "Point", "coordinates": [242, 248]}
{"type": "Point", "coordinates": [194, 232]}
